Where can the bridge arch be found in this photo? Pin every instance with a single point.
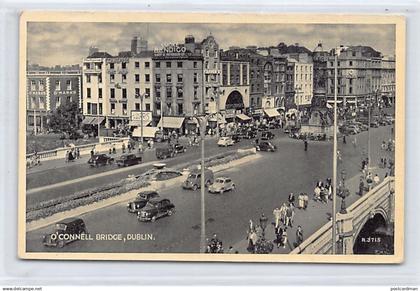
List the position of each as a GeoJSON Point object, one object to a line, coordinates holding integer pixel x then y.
{"type": "Point", "coordinates": [364, 235]}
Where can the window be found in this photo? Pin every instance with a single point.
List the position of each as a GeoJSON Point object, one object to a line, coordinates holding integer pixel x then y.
{"type": "Point", "coordinates": [42, 85]}
{"type": "Point", "coordinates": [68, 84]}
{"type": "Point", "coordinates": [180, 109]}
{"type": "Point", "coordinates": [179, 64]}
{"type": "Point", "coordinates": [147, 92]}
{"type": "Point", "coordinates": [157, 92]}
{"type": "Point", "coordinates": [195, 65]}
{"type": "Point", "coordinates": [168, 64]}
{"type": "Point", "coordinates": [350, 63]}
{"type": "Point", "coordinates": [195, 93]}
{"type": "Point", "coordinates": [100, 78]}
{"type": "Point", "coordinates": [112, 108]}
{"type": "Point", "coordinates": [88, 93]}
{"type": "Point", "coordinates": [124, 77]}
{"type": "Point", "coordinates": [100, 108]}
{"type": "Point", "coordinates": [137, 65]}
{"type": "Point", "coordinates": [89, 109]}
{"type": "Point", "coordinates": [69, 99]}
{"type": "Point", "coordinates": [168, 78]}
{"type": "Point", "coordinates": [111, 66]}
{"type": "Point", "coordinates": [147, 78]}
{"type": "Point", "coordinates": [112, 92]}
{"type": "Point", "coordinates": [180, 92]}
{"type": "Point", "coordinates": [168, 92]}
{"type": "Point", "coordinates": [206, 65]}
{"type": "Point", "coordinates": [99, 92]}
{"type": "Point", "coordinates": [147, 64]}
{"type": "Point", "coordinates": [157, 64]}
{"type": "Point", "coordinates": [147, 107]}
{"type": "Point", "coordinates": [195, 78]}
{"type": "Point", "coordinates": [137, 106]}
{"type": "Point", "coordinates": [353, 54]}
{"type": "Point", "coordinates": [124, 65]}
{"type": "Point", "coordinates": [33, 85]}
{"type": "Point", "coordinates": [87, 78]}
{"type": "Point", "coordinates": [124, 93]}
{"type": "Point", "coordinates": [87, 66]}
{"type": "Point", "coordinates": [137, 78]}
{"type": "Point", "coordinates": [137, 93]}
{"type": "Point", "coordinates": [180, 78]}
{"type": "Point", "coordinates": [350, 81]}
{"type": "Point", "coordinates": [124, 108]}
{"type": "Point", "coordinates": [350, 90]}
{"type": "Point", "coordinates": [58, 102]}
{"type": "Point", "coordinates": [112, 78]}
{"type": "Point", "coordinates": [332, 64]}
{"type": "Point", "coordinates": [338, 64]}
{"type": "Point", "coordinates": [157, 78]}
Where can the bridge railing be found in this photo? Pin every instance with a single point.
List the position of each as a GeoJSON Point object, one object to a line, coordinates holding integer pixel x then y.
{"type": "Point", "coordinates": [320, 241]}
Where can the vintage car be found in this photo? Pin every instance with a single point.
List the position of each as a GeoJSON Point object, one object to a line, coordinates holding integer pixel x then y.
{"type": "Point", "coordinates": [250, 134]}
{"type": "Point", "coordinates": [374, 124]}
{"type": "Point", "coordinates": [236, 138]}
{"type": "Point", "coordinates": [225, 141]}
{"type": "Point", "coordinates": [100, 160]}
{"type": "Point", "coordinates": [65, 232]}
{"type": "Point", "coordinates": [266, 135]}
{"type": "Point", "coordinates": [156, 208]}
{"type": "Point", "coordinates": [164, 153]}
{"type": "Point", "coordinates": [221, 185]}
{"type": "Point", "coordinates": [141, 201]}
{"type": "Point", "coordinates": [193, 180]}
{"type": "Point", "coordinates": [128, 160]}
{"type": "Point", "coordinates": [179, 148]}
{"type": "Point", "coordinates": [265, 146]}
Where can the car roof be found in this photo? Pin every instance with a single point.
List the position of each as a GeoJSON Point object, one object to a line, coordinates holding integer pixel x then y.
{"type": "Point", "coordinates": [157, 199]}
{"type": "Point", "coordinates": [222, 178]}
{"type": "Point", "coordinates": [70, 220]}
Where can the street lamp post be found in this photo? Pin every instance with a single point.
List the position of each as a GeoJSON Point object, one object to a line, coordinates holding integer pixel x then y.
{"type": "Point", "coordinates": [370, 105]}
{"type": "Point", "coordinates": [141, 96]}
{"type": "Point", "coordinates": [218, 92]}
{"type": "Point", "coordinates": [344, 192]}
{"type": "Point", "coordinates": [264, 246]}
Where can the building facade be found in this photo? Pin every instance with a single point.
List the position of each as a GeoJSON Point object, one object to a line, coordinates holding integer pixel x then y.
{"type": "Point", "coordinates": [48, 89]}
{"type": "Point", "coordinates": [388, 79]}
{"type": "Point", "coordinates": [302, 81]}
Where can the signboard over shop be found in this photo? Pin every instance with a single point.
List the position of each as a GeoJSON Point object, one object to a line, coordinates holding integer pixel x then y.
{"type": "Point", "coordinates": [137, 116]}
{"type": "Point", "coordinates": [170, 50]}
{"type": "Point", "coordinates": [117, 60]}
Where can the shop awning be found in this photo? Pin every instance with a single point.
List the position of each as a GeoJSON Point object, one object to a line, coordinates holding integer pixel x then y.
{"type": "Point", "coordinates": [272, 112]}
{"type": "Point", "coordinates": [171, 122]}
{"type": "Point", "coordinates": [138, 123]}
{"type": "Point", "coordinates": [243, 117]}
{"type": "Point", "coordinates": [148, 132]}
{"type": "Point", "coordinates": [97, 120]}
{"type": "Point", "coordinates": [220, 117]}
{"type": "Point", "coordinates": [88, 120]}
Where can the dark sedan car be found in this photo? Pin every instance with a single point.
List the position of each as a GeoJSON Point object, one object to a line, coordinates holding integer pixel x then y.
{"type": "Point", "coordinates": [128, 160]}
{"type": "Point", "coordinates": [266, 146]}
{"type": "Point", "coordinates": [266, 135]}
{"type": "Point", "coordinates": [65, 232]}
{"type": "Point", "coordinates": [156, 208]}
{"type": "Point", "coordinates": [100, 160]}
{"type": "Point", "coordinates": [141, 201]}
{"type": "Point", "coordinates": [179, 148]}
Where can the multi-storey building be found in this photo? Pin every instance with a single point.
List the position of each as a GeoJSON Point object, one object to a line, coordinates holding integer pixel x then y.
{"type": "Point", "coordinates": [388, 79]}
{"type": "Point", "coordinates": [117, 86]}
{"type": "Point", "coordinates": [47, 89]}
{"type": "Point", "coordinates": [302, 81]}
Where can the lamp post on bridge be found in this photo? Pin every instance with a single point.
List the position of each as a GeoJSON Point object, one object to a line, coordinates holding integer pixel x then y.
{"type": "Point", "coordinates": [343, 192]}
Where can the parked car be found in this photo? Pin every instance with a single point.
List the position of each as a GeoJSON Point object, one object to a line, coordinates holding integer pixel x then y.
{"type": "Point", "coordinates": [374, 124]}
{"type": "Point", "coordinates": [353, 127]}
{"type": "Point", "coordinates": [236, 138]}
{"type": "Point", "coordinates": [141, 200]}
{"type": "Point", "coordinates": [265, 146]}
{"type": "Point", "coordinates": [225, 141]}
{"type": "Point", "coordinates": [164, 153]}
{"type": "Point", "coordinates": [193, 180]}
{"type": "Point", "coordinates": [221, 185]}
{"type": "Point", "coordinates": [100, 160]}
{"type": "Point", "coordinates": [65, 232]}
{"type": "Point", "coordinates": [250, 134]}
{"type": "Point", "coordinates": [156, 208]}
{"type": "Point", "coordinates": [266, 135]}
{"type": "Point", "coordinates": [128, 160]}
{"type": "Point", "coordinates": [179, 148]}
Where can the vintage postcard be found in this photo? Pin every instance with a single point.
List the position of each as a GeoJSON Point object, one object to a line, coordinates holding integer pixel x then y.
{"type": "Point", "coordinates": [211, 137]}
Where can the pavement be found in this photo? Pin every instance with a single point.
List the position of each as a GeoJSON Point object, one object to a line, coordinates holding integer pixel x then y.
{"type": "Point", "coordinates": [262, 185]}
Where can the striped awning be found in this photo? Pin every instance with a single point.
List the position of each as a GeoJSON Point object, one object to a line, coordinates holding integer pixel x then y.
{"type": "Point", "coordinates": [148, 131]}
{"type": "Point", "coordinates": [171, 122]}
{"type": "Point", "coordinates": [271, 112]}
{"type": "Point", "coordinates": [138, 123]}
{"type": "Point", "coordinates": [243, 117]}
{"type": "Point", "coordinates": [88, 120]}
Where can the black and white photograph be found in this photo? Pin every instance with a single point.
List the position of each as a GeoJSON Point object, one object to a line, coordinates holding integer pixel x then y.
{"type": "Point", "coordinates": [211, 137]}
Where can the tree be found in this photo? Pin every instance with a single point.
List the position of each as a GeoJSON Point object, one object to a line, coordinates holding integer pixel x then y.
{"type": "Point", "coordinates": [65, 118]}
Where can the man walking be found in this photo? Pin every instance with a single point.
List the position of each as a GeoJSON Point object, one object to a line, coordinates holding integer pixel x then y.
{"type": "Point", "coordinates": [277, 216]}
{"type": "Point", "coordinates": [299, 236]}
{"type": "Point", "coordinates": [305, 142]}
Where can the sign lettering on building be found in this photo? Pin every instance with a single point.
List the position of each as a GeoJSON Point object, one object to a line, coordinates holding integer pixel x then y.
{"type": "Point", "coordinates": [137, 116]}
{"type": "Point", "coordinates": [170, 50]}
{"type": "Point", "coordinates": [65, 92]}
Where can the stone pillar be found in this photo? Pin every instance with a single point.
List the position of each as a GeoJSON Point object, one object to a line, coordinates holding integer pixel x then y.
{"type": "Point", "coordinates": [345, 232]}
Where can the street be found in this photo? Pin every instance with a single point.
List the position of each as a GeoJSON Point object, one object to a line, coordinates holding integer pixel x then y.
{"type": "Point", "coordinates": [261, 185]}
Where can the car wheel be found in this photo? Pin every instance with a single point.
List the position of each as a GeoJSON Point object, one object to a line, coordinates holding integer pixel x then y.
{"type": "Point", "coordinates": [170, 212]}
{"type": "Point", "coordinates": [153, 219]}
{"type": "Point", "coordinates": [221, 191]}
{"type": "Point", "coordinates": [258, 149]}
{"type": "Point", "coordinates": [233, 187]}
{"type": "Point", "coordinates": [195, 187]}
{"type": "Point", "coordinates": [208, 183]}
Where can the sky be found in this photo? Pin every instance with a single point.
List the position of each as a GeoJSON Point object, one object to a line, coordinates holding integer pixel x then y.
{"type": "Point", "coordinates": [67, 43]}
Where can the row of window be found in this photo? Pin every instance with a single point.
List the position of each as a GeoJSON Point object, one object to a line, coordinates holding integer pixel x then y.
{"type": "Point", "coordinates": [123, 93]}
{"type": "Point", "coordinates": [41, 85]}
{"type": "Point", "coordinates": [180, 78]}
{"type": "Point", "coordinates": [179, 92]}
{"type": "Point", "coordinates": [92, 108]}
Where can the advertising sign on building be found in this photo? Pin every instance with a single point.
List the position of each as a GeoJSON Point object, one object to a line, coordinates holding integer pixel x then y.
{"type": "Point", "coordinates": [137, 116]}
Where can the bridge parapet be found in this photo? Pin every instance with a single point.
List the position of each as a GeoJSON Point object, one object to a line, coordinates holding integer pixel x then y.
{"type": "Point", "coordinates": [380, 199]}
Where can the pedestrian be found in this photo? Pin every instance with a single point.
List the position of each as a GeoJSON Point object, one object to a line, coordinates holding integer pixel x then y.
{"type": "Point", "coordinates": [376, 179]}
{"type": "Point", "coordinates": [129, 147]}
{"type": "Point", "coordinates": [92, 152]}
{"type": "Point", "coordinates": [114, 150]}
{"type": "Point", "coordinates": [123, 148]}
{"type": "Point", "coordinates": [305, 142]}
{"type": "Point", "coordinates": [306, 200]}
{"type": "Point", "coordinates": [77, 153]}
{"type": "Point", "coordinates": [317, 193]}
{"type": "Point", "coordinates": [277, 216]}
{"type": "Point", "coordinates": [363, 164]}
{"type": "Point", "coordinates": [289, 215]}
{"type": "Point", "coordinates": [283, 210]}
{"type": "Point", "coordinates": [369, 180]}
{"type": "Point", "coordinates": [291, 198]}
{"type": "Point", "coordinates": [324, 195]}
{"type": "Point", "coordinates": [67, 156]}
{"type": "Point", "coordinates": [301, 201]}
{"type": "Point", "coordinates": [361, 186]}
{"type": "Point", "coordinates": [278, 233]}
{"type": "Point", "coordinates": [151, 143]}
{"type": "Point", "coordinates": [354, 142]}
{"type": "Point", "coordinates": [252, 240]}
{"type": "Point", "coordinates": [257, 141]}
{"type": "Point", "coordinates": [299, 236]}
{"type": "Point", "coordinates": [140, 147]}
{"type": "Point", "coordinates": [344, 139]}
{"type": "Point", "coordinates": [284, 237]}
{"type": "Point", "coordinates": [339, 156]}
